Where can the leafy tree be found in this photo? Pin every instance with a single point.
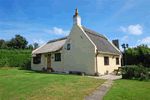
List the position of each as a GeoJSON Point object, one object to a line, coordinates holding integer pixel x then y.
{"type": "Point", "coordinates": [30, 47]}
{"type": "Point", "coordinates": [36, 45]}
{"type": "Point", "coordinates": [139, 54]}
{"type": "Point", "coordinates": [3, 44]}
{"type": "Point", "coordinates": [18, 42]}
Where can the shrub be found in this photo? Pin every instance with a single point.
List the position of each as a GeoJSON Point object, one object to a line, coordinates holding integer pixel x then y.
{"type": "Point", "coordinates": [135, 72]}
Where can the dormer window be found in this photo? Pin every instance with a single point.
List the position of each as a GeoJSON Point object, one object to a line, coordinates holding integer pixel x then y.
{"type": "Point", "coordinates": [68, 46]}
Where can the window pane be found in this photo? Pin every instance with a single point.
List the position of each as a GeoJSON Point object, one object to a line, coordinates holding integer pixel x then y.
{"type": "Point", "coordinates": [37, 59]}
{"type": "Point", "coordinates": [106, 61]}
{"type": "Point", "coordinates": [117, 60]}
{"type": "Point", "coordinates": [57, 56]}
{"type": "Point", "coordinates": [68, 46]}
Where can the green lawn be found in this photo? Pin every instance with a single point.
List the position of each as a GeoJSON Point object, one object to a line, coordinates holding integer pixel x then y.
{"type": "Point", "coordinates": [124, 89]}
{"type": "Point", "coordinates": [29, 85]}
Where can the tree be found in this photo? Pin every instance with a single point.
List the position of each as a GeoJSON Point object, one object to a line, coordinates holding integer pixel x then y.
{"type": "Point", "coordinates": [30, 47]}
{"type": "Point", "coordinates": [18, 42]}
{"type": "Point", "coordinates": [3, 44]}
{"type": "Point", "coordinates": [36, 45]}
{"type": "Point", "coordinates": [139, 54]}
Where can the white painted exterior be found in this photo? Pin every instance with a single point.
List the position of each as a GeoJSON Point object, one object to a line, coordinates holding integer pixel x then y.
{"type": "Point", "coordinates": [41, 65]}
{"type": "Point", "coordinates": [77, 20]}
{"type": "Point", "coordinates": [112, 63]}
{"type": "Point", "coordinates": [81, 56]}
{"type": "Point", "coordinates": [56, 65]}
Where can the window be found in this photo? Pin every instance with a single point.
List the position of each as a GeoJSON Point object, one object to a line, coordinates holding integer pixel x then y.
{"type": "Point", "coordinates": [117, 61]}
{"type": "Point", "coordinates": [68, 46]}
{"type": "Point", "coordinates": [106, 60]}
{"type": "Point", "coordinates": [37, 59]}
{"type": "Point", "coordinates": [57, 56]}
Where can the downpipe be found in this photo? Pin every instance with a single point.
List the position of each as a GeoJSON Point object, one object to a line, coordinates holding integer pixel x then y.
{"type": "Point", "coordinates": [97, 74]}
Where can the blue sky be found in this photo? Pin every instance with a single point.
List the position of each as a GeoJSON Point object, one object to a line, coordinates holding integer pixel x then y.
{"type": "Point", "coordinates": [44, 20]}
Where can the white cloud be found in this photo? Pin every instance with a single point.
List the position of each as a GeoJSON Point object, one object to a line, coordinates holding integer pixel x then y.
{"type": "Point", "coordinates": [40, 41]}
{"type": "Point", "coordinates": [58, 31]}
{"type": "Point", "coordinates": [132, 29]}
{"type": "Point", "coordinates": [136, 30]}
{"type": "Point", "coordinates": [144, 41]}
{"type": "Point", "coordinates": [125, 38]}
{"type": "Point", "coordinates": [123, 29]}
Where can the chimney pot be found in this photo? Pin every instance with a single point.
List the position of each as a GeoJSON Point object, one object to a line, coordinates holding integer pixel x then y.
{"type": "Point", "coordinates": [76, 11]}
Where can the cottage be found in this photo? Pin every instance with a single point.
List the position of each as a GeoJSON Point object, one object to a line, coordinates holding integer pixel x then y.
{"type": "Point", "coordinates": [82, 50]}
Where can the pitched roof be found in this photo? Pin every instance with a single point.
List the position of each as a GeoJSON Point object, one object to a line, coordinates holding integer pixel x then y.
{"type": "Point", "coordinates": [51, 46]}
{"type": "Point", "coordinates": [101, 42]}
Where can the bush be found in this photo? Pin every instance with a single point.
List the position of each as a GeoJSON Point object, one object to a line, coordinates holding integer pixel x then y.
{"type": "Point", "coordinates": [135, 72]}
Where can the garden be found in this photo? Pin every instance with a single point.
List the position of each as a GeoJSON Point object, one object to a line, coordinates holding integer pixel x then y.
{"type": "Point", "coordinates": [18, 84]}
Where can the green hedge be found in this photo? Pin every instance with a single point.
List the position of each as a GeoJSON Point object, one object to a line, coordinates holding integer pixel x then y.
{"type": "Point", "coordinates": [15, 58]}
{"type": "Point", "coordinates": [135, 72]}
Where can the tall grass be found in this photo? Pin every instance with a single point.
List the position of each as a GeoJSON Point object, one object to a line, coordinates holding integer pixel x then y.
{"type": "Point", "coordinates": [15, 58]}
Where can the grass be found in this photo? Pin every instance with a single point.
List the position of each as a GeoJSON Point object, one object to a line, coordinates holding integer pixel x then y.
{"type": "Point", "coordinates": [125, 89]}
{"type": "Point", "coordinates": [30, 85]}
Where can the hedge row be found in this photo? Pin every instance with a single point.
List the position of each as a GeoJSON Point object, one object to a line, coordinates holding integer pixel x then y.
{"type": "Point", "coordinates": [135, 72]}
{"type": "Point", "coordinates": [15, 58]}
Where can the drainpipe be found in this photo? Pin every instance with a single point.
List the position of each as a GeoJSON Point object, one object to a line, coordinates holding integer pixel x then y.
{"type": "Point", "coordinates": [97, 74]}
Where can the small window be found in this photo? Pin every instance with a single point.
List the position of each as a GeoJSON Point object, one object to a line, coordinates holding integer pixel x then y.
{"type": "Point", "coordinates": [37, 59]}
{"type": "Point", "coordinates": [68, 46]}
{"type": "Point", "coordinates": [57, 56]}
{"type": "Point", "coordinates": [117, 61]}
{"type": "Point", "coordinates": [106, 60]}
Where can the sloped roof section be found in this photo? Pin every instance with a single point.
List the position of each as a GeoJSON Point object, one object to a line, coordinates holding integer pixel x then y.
{"type": "Point", "coordinates": [101, 42]}
{"type": "Point", "coordinates": [51, 46]}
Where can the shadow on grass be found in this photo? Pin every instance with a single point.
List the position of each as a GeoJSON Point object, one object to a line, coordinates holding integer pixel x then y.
{"type": "Point", "coordinates": [40, 72]}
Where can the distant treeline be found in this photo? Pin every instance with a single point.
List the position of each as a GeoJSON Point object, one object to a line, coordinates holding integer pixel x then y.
{"type": "Point", "coordinates": [18, 42]}
{"type": "Point", "coordinates": [16, 52]}
{"type": "Point", "coordinates": [138, 55]}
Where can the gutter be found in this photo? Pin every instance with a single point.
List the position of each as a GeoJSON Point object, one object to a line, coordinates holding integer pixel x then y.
{"type": "Point", "coordinates": [109, 53]}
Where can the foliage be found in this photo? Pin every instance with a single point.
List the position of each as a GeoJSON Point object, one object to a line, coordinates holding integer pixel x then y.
{"type": "Point", "coordinates": [115, 72]}
{"type": "Point", "coordinates": [136, 72]}
{"type": "Point", "coordinates": [137, 55]}
{"type": "Point", "coordinates": [36, 45]}
{"type": "Point", "coordinates": [30, 47]}
{"type": "Point", "coordinates": [15, 58]}
{"type": "Point", "coordinates": [18, 42]}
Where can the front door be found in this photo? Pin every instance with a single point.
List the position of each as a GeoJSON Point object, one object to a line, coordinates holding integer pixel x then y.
{"type": "Point", "coordinates": [49, 61]}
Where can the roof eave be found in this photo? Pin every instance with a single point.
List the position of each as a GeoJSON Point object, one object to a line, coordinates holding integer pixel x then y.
{"type": "Point", "coordinates": [108, 53]}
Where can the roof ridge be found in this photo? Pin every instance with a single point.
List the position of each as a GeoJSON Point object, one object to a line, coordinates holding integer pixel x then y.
{"type": "Point", "coordinates": [57, 39]}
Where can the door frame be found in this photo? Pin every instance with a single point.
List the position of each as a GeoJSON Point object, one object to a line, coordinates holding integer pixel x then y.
{"type": "Point", "coordinates": [50, 60]}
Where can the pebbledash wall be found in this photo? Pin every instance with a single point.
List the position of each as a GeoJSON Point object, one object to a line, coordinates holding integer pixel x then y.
{"type": "Point", "coordinates": [112, 63]}
{"type": "Point", "coordinates": [40, 65]}
{"type": "Point", "coordinates": [56, 65]}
